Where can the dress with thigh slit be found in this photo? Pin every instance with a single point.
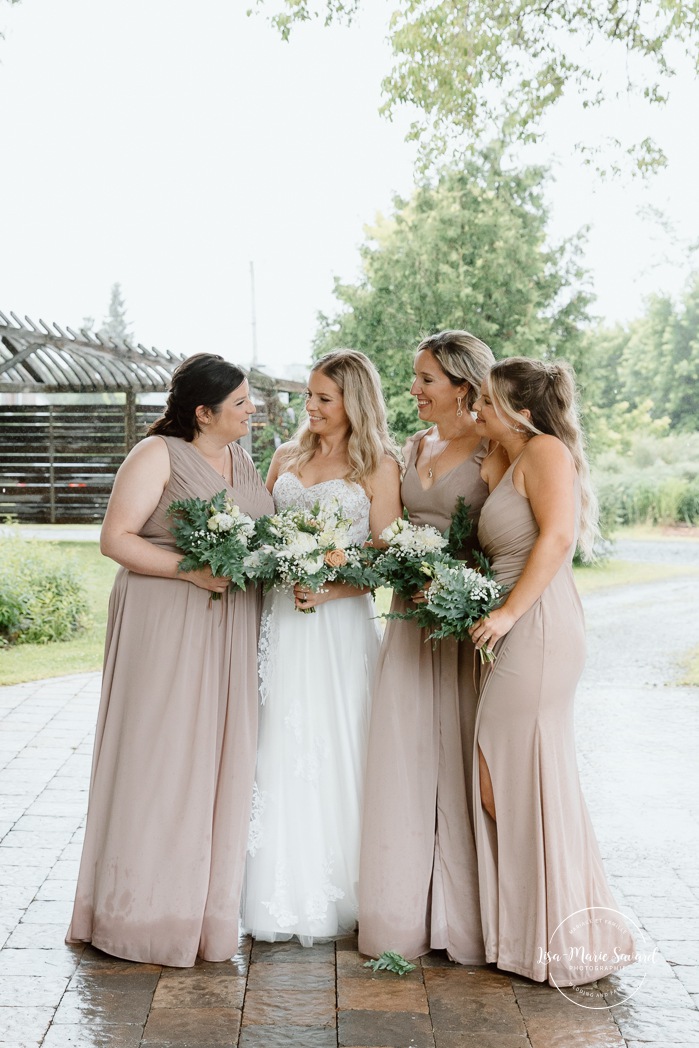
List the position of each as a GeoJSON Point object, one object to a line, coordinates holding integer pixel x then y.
{"type": "Point", "coordinates": [539, 864]}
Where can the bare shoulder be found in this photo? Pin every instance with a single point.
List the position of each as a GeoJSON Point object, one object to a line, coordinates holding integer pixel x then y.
{"type": "Point", "coordinates": [387, 475]}
{"type": "Point", "coordinates": [149, 452]}
{"type": "Point", "coordinates": [278, 463]}
{"type": "Point", "coordinates": [282, 454]}
{"type": "Point", "coordinates": [545, 452]}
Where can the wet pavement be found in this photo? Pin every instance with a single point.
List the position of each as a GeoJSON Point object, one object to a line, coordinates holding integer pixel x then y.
{"type": "Point", "coordinates": [638, 739]}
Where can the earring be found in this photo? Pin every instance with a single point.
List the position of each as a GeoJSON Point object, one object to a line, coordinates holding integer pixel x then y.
{"type": "Point", "coordinates": [459, 412]}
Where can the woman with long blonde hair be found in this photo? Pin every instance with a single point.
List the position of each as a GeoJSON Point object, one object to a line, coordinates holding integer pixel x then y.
{"type": "Point", "coordinates": [546, 909]}
{"type": "Point", "coordinates": [317, 670]}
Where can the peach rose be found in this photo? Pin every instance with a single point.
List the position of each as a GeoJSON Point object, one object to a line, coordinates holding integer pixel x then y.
{"type": "Point", "coordinates": [336, 558]}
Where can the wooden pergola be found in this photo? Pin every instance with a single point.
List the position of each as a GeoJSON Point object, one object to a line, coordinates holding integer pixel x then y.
{"type": "Point", "coordinates": [58, 460]}
{"type": "Point", "coordinates": [38, 359]}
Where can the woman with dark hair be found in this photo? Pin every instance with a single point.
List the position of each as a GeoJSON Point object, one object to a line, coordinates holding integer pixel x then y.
{"type": "Point", "coordinates": [547, 910]}
{"type": "Point", "coordinates": [174, 758]}
{"type": "Point", "coordinates": [418, 883]}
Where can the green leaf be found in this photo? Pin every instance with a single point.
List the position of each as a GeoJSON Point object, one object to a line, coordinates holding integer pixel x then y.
{"type": "Point", "coordinates": [389, 961]}
{"type": "Point", "coordinates": [460, 528]}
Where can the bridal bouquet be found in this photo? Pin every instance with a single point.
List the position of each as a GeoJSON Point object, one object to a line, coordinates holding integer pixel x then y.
{"type": "Point", "coordinates": [214, 534]}
{"type": "Point", "coordinates": [310, 548]}
{"type": "Point", "coordinates": [458, 596]}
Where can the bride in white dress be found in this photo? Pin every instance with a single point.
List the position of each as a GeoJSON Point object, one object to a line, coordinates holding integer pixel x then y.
{"type": "Point", "coordinates": [316, 671]}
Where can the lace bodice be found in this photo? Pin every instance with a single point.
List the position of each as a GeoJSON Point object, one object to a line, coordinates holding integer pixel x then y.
{"type": "Point", "coordinates": [289, 493]}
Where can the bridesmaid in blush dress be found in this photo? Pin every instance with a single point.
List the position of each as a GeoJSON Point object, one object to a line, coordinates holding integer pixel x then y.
{"type": "Point", "coordinates": [418, 878]}
{"type": "Point", "coordinates": [174, 759]}
{"type": "Point", "coordinates": [546, 908]}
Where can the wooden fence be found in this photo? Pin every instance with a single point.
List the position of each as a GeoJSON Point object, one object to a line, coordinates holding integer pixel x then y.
{"type": "Point", "coordinates": [58, 461]}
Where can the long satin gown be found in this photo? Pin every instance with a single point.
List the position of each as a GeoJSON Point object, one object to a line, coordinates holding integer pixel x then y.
{"type": "Point", "coordinates": [544, 896]}
{"type": "Point", "coordinates": [418, 878]}
{"type": "Point", "coordinates": [174, 758]}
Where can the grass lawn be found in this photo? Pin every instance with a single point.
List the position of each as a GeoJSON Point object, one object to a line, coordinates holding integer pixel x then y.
{"type": "Point", "coordinates": [83, 654]}
{"type": "Point", "coordinates": [623, 573]}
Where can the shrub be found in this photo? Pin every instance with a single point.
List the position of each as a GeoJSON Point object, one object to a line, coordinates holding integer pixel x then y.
{"type": "Point", "coordinates": [41, 597]}
{"type": "Point", "coordinates": [656, 481]}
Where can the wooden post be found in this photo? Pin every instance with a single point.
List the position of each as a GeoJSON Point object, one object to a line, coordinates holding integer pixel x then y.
{"type": "Point", "coordinates": [52, 471]}
{"type": "Point", "coordinates": [130, 420]}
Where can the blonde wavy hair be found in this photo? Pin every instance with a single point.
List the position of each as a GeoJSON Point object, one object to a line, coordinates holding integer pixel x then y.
{"type": "Point", "coordinates": [462, 357]}
{"type": "Point", "coordinates": [547, 389]}
{"type": "Point", "coordinates": [369, 439]}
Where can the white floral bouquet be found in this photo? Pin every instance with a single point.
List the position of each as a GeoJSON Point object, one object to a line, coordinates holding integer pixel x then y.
{"type": "Point", "coordinates": [214, 534]}
{"type": "Point", "coordinates": [413, 548]}
{"type": "Point", "coordinates": [457, 597]}
{"type": "Point", "coordinates": [309, 548]}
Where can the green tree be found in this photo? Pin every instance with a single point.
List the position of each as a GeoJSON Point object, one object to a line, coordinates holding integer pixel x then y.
{"type": "Point", "coordinates": [646, 361]}
{"type": "Point", "coordinates": [477, 70]}
{"type": "Point", "coordinates": [661, 358]}
{"type": "Point", "coordinates": [602, 351]}
{"type": "Point", "coordinates": [466, 252]}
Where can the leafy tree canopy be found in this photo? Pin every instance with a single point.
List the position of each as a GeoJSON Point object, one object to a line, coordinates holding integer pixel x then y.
{"type": "Point", "coordinates": [467, 251]}
{"type": "Point", "coordinates": [643, 377]}
{"type": "Point", "coordinates": [661, 358]}
{"type": "Point", "coordinates": [479, 70]}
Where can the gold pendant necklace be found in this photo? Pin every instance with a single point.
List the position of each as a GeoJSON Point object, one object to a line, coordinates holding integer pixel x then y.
{"type": "Point", "coordinates": [434, 461]}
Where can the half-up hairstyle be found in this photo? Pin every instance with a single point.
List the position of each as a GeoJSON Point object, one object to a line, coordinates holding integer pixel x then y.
{"type": "Point", "coordinates": [205, 380]}
{"type": "Point", "coordinates": [462, 357]}
{"type": "Point", "coordinates": [369, 440]}
{"type": "Point", "coordinates": [548, 391]}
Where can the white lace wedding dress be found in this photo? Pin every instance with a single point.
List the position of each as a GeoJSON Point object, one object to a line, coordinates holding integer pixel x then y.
{"type": "Point", "coordinates": [316, 674]}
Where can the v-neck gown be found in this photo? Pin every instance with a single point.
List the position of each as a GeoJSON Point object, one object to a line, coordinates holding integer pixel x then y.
{"type": "Point", "coordinates": [174, 757]}
{"type": "Point", "coordinates": [547, 910]}
{"type": "Point", "coordinates": [316, 672]}
{"type": "Point", "coordinates": [418, 876]}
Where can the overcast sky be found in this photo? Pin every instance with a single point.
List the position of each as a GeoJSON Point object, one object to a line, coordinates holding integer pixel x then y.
{"type": "Point", "coordinates": [167, 144]}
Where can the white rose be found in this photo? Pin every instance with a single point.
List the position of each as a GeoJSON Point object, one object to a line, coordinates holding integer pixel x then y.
{"type": "Point", "coordinates": [224, 522]}
{"type": "Point", "coordinates": [301, 544]}
{"type": "Point", "coordinates": [392, 530]}
{"type": "Point", "coordinates": [311, 565]}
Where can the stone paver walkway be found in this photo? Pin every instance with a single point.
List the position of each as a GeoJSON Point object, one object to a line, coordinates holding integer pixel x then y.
{"type": "Point", "coordinates": [638, 743]}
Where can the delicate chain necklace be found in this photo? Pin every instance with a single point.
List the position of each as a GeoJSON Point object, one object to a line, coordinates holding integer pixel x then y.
{"type": "Point", "coordinates": [433, 461]}
{"type": "Point", "coordinates": [221, 470]}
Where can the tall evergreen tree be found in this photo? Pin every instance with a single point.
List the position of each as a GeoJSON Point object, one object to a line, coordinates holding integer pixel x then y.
{"type": "Point", "coordinates": [116, 324]}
